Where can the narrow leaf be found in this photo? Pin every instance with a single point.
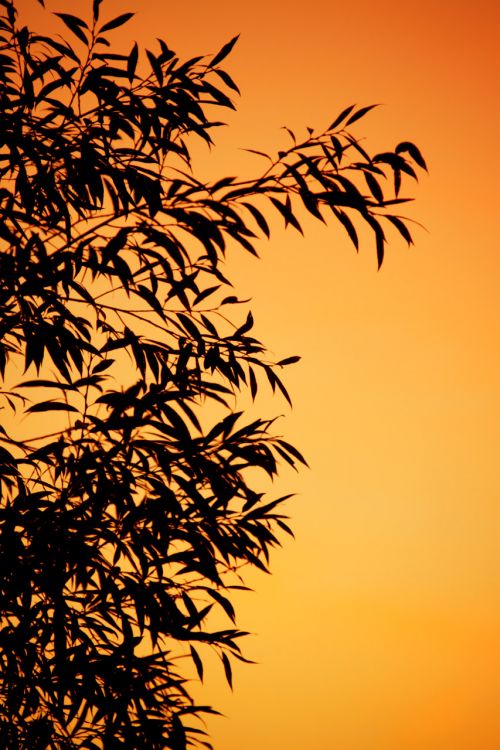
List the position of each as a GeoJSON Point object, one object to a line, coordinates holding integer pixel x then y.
{"type": "Point", "coordinates": [259, 218]}
{"type": "Point", "coordinates": [227, 669]}
{"type": "Point", "coordinates": [115, 22]}
{"type": "Point", "coordinates": [74, 24]}
{"type": "Point", "coordinates": [197, 662]}
{"type": "Point", "coordinates": [401, 227]}
{"type": "Point", "coordinates": [51, 406]}
{"type": "Point", "coordinates": [345, 112]}
{"type": "Point", "coordinates": [132, 62]}
{"type": "Point", "coordinates": [360, 113]}
{"type": "Point", "coordinates": [227, 80]}
{"type": "Point", "coordinates": [414, 152]}
{"type": "Point", "coordinates": [223, 52]}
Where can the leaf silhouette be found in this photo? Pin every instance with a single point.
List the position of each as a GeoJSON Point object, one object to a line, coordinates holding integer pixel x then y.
{"type": "Point", "coordinates": [116, 22]}
{"type": "Point", "coordinates": [51, 406]}
{"type": "Point", "coordinates": [224, 51]}
{"type": "Point", "coordinates": [74, 24]}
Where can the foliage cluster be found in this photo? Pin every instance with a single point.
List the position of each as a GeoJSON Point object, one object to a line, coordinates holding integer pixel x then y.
{"type": "Point", "coordinates": [132, 516]}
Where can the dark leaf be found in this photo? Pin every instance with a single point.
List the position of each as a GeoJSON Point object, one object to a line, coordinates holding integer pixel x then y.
{"type": "Point", "coordinates": [259, 218]}
{"type": "Point", "coordinates": [253, 383]}
{"type": "Point", "coordinates": [189, 325]}
{"type": "Point", "coordinates": [115, 22]}
{"type": "Point", "coordinates": [345, 112]}
{"type": "Point", "coordinates": [348, 225]}
{"type": "Point", "coordinates": [227, 80]}
{"type": "Point", "coordinates": [359, 114]}
{"type": "Point", "coordinates": [103, 365]}
{"type": "Point", "coordinates": [68, 18]}
{"type": "Point", "coordinates": [293, 451]}
{"type": "Point", "coordinates": [283, 390]}
{"type": "Point", "coordinates": [51, 406]}
{"type": "Point", "coordinates": [132, 62]}
{"type": "Point", "coordinates": [95, 9]}
{"type": "Point", "coordinates": [223, 52]}
{"type": "Point", "coordinates": [401, 227]}
{"type": "Point", "coordinates": [227, 669]}
{"type": "Point", "coordinates": [224, 603]}
{"type": "Point", "coordinates": [197, 662]}
{"type": "Point", "coordinates": [74, 24]}
{"type": "Point", "coordinates": [40, 383]}
{"type": "Point", "coordinates": [286, 211]}
{"type": "Point", "coordinates": [414, 152]}
{"type": "Point", "coordinates": [375, 188]}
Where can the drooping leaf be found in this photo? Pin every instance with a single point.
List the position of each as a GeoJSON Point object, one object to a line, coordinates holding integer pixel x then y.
{"type": "Point", "coordinates": [401, 227]}
{"type": "Point", "coordinates": [197, 662]}
{"type": "Point", "coordinates": [74, 24]}
{"type": "Point", "coordinates": [259, 218]}
{"type": "Point", "coordinates": [227, 669]}
{"type": "Point", "coordinates": [414, 152]}
{"type": "Point", "coordinates": [227, 80]}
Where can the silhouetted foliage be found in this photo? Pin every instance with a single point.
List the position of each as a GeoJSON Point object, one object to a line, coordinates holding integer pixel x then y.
{"type": "Point", "coordinates": [131, 512]}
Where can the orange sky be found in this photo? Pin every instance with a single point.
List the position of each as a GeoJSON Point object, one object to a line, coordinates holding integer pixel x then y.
{"type": "Point", "coordinates": [379, 629]}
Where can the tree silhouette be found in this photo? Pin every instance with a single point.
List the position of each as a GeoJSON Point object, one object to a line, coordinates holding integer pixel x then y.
{"type": "Point", "coordinates": [132, 506]}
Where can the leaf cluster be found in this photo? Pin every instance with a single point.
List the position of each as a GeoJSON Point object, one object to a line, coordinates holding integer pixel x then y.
{"type": "Point", "coordinates": [135, 514]}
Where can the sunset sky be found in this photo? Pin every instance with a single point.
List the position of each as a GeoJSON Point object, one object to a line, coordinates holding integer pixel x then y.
{"type": "Point", "coordinates": [380, 626]}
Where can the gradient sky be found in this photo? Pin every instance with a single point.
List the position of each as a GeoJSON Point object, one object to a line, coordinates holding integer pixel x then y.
{"type": "Point", "coordinates": [379, 628]}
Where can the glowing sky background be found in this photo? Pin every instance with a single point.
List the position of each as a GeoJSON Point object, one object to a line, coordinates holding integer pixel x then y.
{"type": "Point", "coordinates": [379, 628]}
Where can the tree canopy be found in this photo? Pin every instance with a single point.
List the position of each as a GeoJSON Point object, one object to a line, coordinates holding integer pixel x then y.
{"type": "Point", "coordinates": [130, 501]}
